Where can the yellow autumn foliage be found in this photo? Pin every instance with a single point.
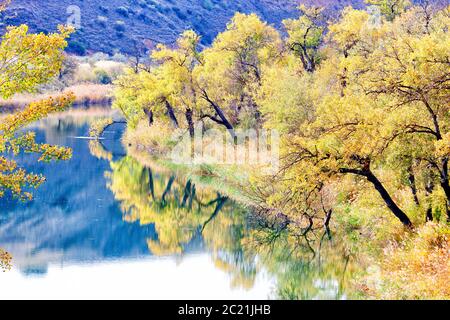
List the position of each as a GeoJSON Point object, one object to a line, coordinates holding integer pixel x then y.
{"type": "Point", "coordinates": [26, 61]}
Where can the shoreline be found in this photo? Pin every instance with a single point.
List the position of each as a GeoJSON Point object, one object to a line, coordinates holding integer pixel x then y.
{"type": "Point", "coordinates": [87, 95]}
{"type": "Point", "coordinates": [218, 178]}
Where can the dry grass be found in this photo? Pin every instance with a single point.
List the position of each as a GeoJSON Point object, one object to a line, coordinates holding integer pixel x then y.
{"type": "Point", "coordinates": [86, 95]}
{"type": "Point", "coordinates": [90, 94]}
{"type": "Point", "coordinates": [416, 268]}
{"type": "Point", "coordinates": [156, 139]}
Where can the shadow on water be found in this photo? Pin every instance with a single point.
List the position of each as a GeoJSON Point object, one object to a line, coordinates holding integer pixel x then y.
{"type": "Point", "coordinates": [104, 205]}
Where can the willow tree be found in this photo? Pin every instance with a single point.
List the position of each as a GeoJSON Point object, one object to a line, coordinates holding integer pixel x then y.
{"type": "Point", "coordinates": [306, 35]}
{"type": "Point", "coordinates": [175, 74]}
{"type": "Point", "coordinates": [233, 68]}
{"type": "Point", "coordinates": [26, 61]}
{"type": "Point", "coordinates": [390, 8]}
{"type": "Point", "coordinates": [167, 88]}
{"type": "Point", "coordinates": [377, 89]}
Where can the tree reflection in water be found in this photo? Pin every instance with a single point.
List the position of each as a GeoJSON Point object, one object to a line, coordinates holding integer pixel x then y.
{"type": "Point", "coordinates": [5, 260]}
{"type": "Point", "coordinates": [305, 268]}
{"type": "Point", "coordinates": [183, 213]}
{"type": "Point", "coordinates": [188, 216]}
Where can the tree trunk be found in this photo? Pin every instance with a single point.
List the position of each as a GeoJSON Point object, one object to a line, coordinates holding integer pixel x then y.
{"type": "Point", "coordinates": [307, 61]}
{"type": "Point", "coordinates": [171, 114]}
{"type": "Point", "coordinates": [445, 184]}
{"type": "Point", "coordinates": [223, 119]}
{"type": "Point", "coordinates": [187, 193]}
{"type": "Point", "coordinates": [445, 179]}
{"type": "Point", "coordinates": [368, 174]}
{"type": "Point", "coordinates": [412, 185]}
{"type": "Point", "coordinates": [220, 203]}
{"type": "Point", "coordinates": [448, 212]}
{"type": "Point", "coordinates": [446, 188]}
{"type": "Point", "coordinates": [149, 114]}
{"type": "Point", "coordinates": [190, 122]}
{"type": "Point", "coordinates": [429, 190]}
{"type": "Point", "coordinates": [167, 190]}
{"type": "Point", "coordinates": [151, 183]}
{"type": "Point", "coordinates": [388, 200]}
{"type": "Point", "coordinates": [429, 214]}
{"type": "Point", "coordinates": [327, 223]}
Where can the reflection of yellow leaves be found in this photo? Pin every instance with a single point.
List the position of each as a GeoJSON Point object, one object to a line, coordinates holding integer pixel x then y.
{"type": "Point", "coordinates": [158, 248]}
{"type": "Point", "coordinates": [5, 260]}
{"type": "Point", "coordinates": [179, 215]}
{"type": "Point", "coordinates": [99, 126]}
{"type": "Point", "coordinates": [98, 151]}
{"type": "Point", "coordinates": [240, 279]}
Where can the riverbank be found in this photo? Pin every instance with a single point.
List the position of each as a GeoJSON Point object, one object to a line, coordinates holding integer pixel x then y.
{"type": "Point", "coordinates": [87, 95]}
{"type": "Point", "coordinates": [152, 147]}
{"type": "Point", "coordinates": [394, 263]}
{"type": "Point", "coordinates": [135, 213]}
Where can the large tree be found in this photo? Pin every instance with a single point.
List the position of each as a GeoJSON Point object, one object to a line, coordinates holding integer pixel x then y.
{"type": "Point", "coordinates": [26, 61]}
{"type": "Point", "coordinates": [378, 106]}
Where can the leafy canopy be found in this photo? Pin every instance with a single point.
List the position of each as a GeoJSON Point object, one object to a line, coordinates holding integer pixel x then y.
{"type": "Point", "coordinates": [28, 60]}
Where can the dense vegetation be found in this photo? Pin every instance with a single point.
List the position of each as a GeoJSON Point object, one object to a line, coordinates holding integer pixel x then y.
{"type": "Point", "coordinates": [362, 105]}
{"type": "Point", "coordinates": [181, 209]}
{"type": "Point", "coordinates": [28, 60]}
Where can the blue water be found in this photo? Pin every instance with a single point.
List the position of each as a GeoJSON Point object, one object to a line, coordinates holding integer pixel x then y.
{"type": "Point", "coordinates": [73, 212]}
{"type": "Point", "coordinates": [113, 228]}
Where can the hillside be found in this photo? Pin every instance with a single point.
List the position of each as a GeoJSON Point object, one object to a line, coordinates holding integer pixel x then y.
{"type": "Point", "coordinates": [122, 25]}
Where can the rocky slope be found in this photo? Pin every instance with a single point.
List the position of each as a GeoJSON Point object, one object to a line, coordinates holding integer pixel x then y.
{"type": "Point", "coordinates": [118, 25]}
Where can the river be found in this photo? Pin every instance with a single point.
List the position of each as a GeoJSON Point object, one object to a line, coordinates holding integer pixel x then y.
{"type": "Point", "coordinates": [104, 226]}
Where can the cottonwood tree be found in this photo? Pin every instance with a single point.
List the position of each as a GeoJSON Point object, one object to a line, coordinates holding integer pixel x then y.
{"type": "Point", "coordinates": [412, 70]}
{"type": "Point", "coordinates": [175, 74]}
{"type": "Point", "coordinates": [377, 89]}
{"type": "Point", "coordinates": [306, 35]}
{"type": "Point", "coordinates": [219, 83]}
{"type": "Point", "coordinates": [366, 101]}
{"type": "Point", "coordinates": [390, 8]}
{"type": "Point", "coordinates": [26, 61]}
{"type": "Point", "coordinates": [233, 68]}
{"type": "Point", "coordinates": [166, 88]}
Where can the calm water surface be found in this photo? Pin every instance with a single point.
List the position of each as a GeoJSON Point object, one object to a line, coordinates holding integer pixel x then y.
{"type": "Point", "coordinates": [104, 226]}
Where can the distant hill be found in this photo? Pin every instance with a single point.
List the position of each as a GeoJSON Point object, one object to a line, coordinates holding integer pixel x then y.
{"type": "Point", "coordinates": [122, 25]}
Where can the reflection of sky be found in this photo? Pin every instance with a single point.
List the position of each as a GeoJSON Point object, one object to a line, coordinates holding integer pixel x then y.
{"type": "Point", "coordinates": [195, 277]}
{"type": "Point", "coordinates": [74, 217]}
{"type": "Point", "coordinates": [72, 242]}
